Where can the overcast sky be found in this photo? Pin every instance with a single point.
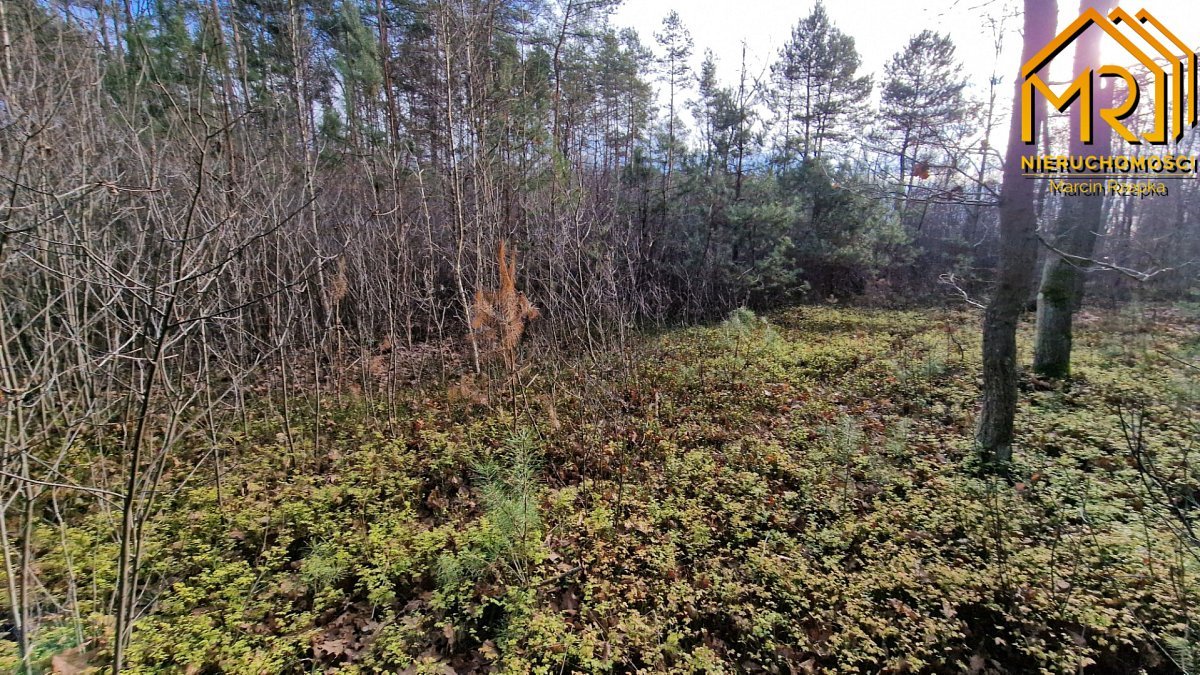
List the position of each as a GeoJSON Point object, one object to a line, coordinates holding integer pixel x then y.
{"type": "Point", "coordinates": [880, 28]}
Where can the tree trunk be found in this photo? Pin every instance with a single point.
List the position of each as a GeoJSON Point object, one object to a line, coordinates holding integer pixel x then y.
{"type": "Point", "coordinates": [1018, 254]}
{"type": "Point", "coordinates": [1079, 221]}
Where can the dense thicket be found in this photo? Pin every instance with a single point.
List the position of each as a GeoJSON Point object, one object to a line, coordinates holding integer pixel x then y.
{"type": "Point", "coordinates": [384, 149]}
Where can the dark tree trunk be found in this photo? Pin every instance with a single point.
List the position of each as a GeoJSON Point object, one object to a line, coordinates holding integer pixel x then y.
{"type": "Point", "coordinates": [1079, 221]}
{"type": "Point", "coordinates": [1018, 254]}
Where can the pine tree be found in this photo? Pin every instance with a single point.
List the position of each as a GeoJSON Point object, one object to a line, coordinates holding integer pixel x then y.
{"type": "Point", "coordinates": [923, 95]}
{"type": "Point", "coordinates": [676, 43]}
{"type": "Point", "coordinates": [816, 87]}
{"type": "Point", "coordinates": [356, 60]}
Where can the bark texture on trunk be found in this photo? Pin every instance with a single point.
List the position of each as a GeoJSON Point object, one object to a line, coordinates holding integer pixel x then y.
{"type": "Point", "coordinates": [1018, 256]}
{"type": "Point", "coordinates": [1061, 284]}
{"type": "Point", "coordinates": [1079, 222]}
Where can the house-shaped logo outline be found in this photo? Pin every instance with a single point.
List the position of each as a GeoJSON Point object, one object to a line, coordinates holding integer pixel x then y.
{"type": "Point", "coordinates": [1192, 75]}
{"type": "Point", "coordinates": [1109, 24]}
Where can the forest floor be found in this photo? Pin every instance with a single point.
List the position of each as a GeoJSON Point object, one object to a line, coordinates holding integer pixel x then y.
{"type": "Point", "coordinates": [794, 493]}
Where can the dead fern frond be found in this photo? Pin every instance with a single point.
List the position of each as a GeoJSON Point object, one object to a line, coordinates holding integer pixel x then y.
{"type": "Point", "coordinates": [340, 285]}
{"type": "Point", "coordinates": [500, 316]}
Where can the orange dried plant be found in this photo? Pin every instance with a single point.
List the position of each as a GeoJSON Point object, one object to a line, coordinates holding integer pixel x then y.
{"type": "Point", "coordinates": [499, 316]}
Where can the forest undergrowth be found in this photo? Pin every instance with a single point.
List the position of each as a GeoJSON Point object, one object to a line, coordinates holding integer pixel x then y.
{"type": "Point", "coordinates": [791, 493]}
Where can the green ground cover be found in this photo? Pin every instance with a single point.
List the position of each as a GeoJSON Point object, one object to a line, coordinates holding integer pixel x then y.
{"type": "Point", "coordinates": [793, 493]}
